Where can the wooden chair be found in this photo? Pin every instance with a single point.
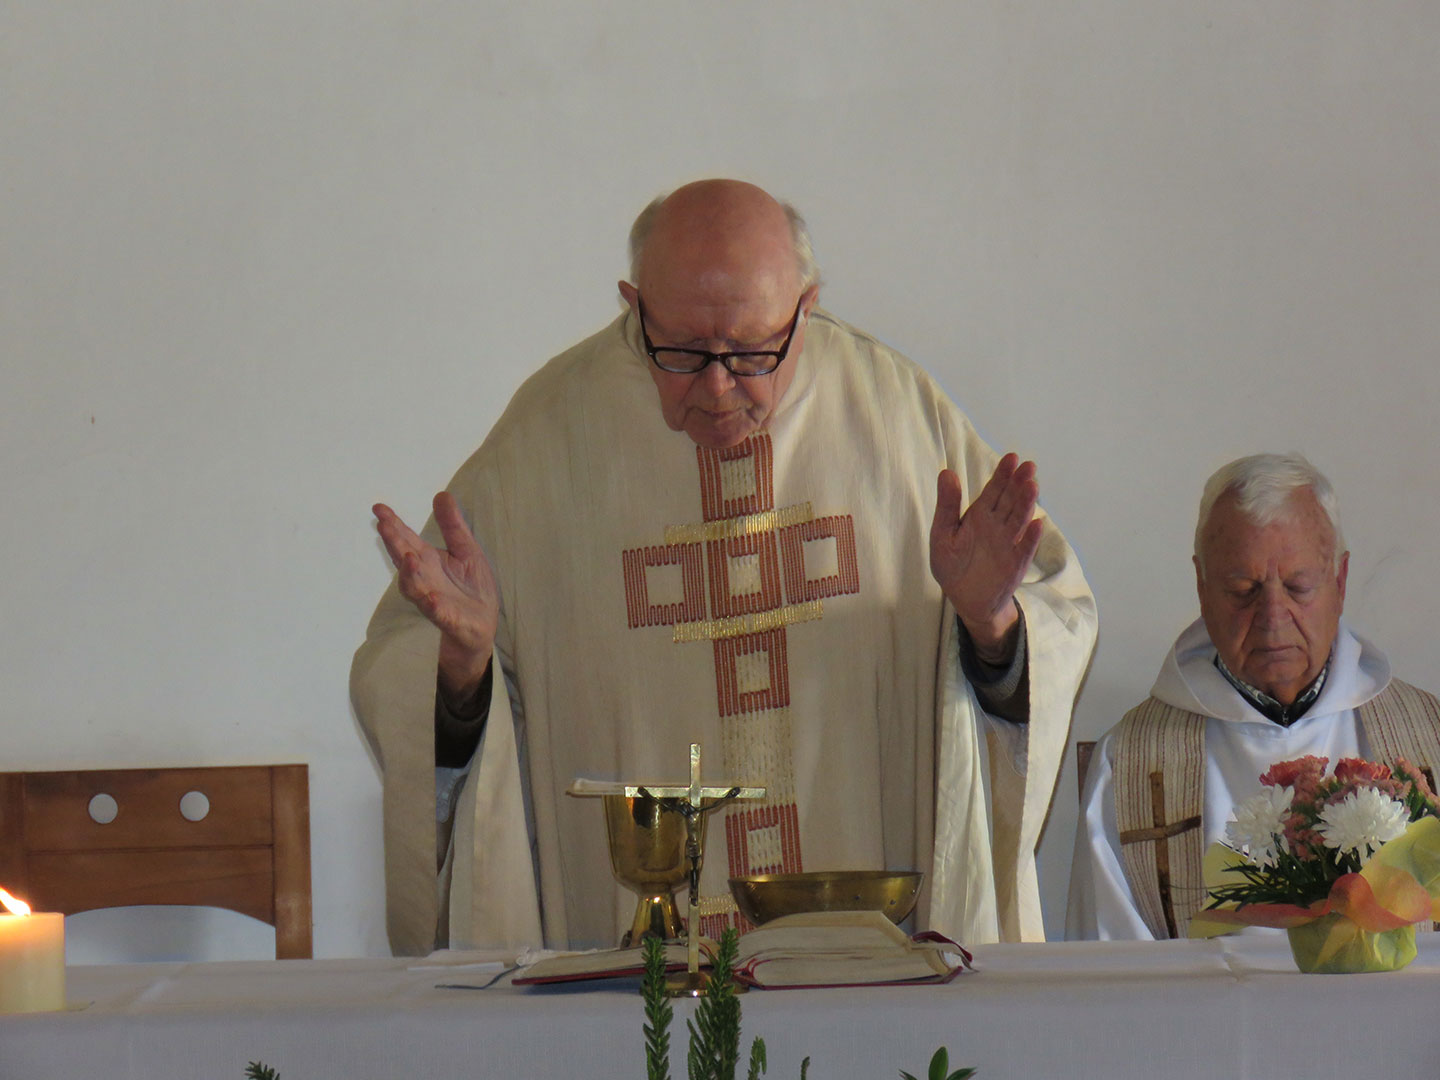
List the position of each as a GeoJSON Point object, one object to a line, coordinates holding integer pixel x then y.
{"type": "Point", "coordinates": [248, 852]}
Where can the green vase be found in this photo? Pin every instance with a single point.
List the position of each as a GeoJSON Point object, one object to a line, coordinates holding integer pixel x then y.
{"type": "Point", "coordinates": [1333, 945]}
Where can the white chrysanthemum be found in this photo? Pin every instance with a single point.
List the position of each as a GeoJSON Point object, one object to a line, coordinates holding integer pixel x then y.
{"type": "Point", "coordinates": [1257, 829]}
{"type": "Point", "coordinates": [1362, 821]}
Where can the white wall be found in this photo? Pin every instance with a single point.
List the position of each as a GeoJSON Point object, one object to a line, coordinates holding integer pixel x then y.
{"type": "Point", "coordinates": [265, 263]}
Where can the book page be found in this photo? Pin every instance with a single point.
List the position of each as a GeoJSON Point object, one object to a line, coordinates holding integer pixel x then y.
{"type": "Point", "coordinates": [841, 948]}
{"type": "Point", "coordinates": [922, 965]}
{"type": "Point", "coordinates": [600, 964]}
{"type": "Point", "coordinates": [833, 948]}
{"type": "Point", "coordinates": [824, 931]}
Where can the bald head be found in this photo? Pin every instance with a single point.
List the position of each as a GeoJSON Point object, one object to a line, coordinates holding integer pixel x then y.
{"type": "Point", "coordinates": [719, 220]}
{"type": "Point", "coordinates": [721, 266]}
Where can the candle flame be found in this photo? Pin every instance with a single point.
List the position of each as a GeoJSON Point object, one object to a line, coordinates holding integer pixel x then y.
{"type": "Point", "coordinates": [15, 905]}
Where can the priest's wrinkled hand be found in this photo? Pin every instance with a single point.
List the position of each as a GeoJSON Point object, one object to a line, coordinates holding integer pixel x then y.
{"type": "Point", "coordinates": [454, 588]}
{"type": "Point", "coordinates": [979, 557]}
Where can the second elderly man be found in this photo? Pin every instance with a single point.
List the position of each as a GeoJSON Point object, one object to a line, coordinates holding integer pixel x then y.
{"type": "Point", "coordinates": [1268, 673]}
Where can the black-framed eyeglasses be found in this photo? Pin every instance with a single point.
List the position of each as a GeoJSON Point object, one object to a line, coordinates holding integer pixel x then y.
{"type": "Point", "coordinates": [745, 364]}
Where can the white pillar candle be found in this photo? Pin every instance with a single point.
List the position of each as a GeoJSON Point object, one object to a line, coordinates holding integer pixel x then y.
{"type": "Point", "coordinates": [32, 959]}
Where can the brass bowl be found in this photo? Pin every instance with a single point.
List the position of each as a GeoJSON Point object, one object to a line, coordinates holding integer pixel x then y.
{"type": "Point", "coordinates": [763, 897]}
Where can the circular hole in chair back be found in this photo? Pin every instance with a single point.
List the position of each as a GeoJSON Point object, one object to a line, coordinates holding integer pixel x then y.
{"type": "Point", "coordinates": [194, 806]}
{"type": "Point", "coordinates": [103, 809]}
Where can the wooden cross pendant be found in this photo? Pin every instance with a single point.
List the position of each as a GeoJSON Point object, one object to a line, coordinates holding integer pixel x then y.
{"type": "Point", "coordinates": [1161, 833]}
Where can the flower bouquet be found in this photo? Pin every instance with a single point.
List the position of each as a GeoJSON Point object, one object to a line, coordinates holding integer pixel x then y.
{"type": "Point", "coordinates": [1346, 862]}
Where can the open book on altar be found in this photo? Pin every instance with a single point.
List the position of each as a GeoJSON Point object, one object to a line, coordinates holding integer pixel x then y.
{"type": "Point", "coordinates": [831, 948]}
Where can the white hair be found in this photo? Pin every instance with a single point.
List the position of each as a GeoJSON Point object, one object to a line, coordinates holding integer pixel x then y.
{"type": "Point", "coordinates": [799, 240]}
{"type": "Point", "coordinates": [1264, 485]}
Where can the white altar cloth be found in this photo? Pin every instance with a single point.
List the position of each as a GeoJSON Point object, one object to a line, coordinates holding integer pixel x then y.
{"type": "Point", "coordinates": [1225, 1008]}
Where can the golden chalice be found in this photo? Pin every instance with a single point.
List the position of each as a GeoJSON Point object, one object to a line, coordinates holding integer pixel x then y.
{"type": "Point", "coordinates": [657, 841]}
{"type": "Point", "coordinates": [648, 857]}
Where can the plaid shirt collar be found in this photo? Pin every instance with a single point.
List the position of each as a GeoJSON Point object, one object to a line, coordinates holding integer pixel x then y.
{"type": "Point", "coordinates": [1267, 706]}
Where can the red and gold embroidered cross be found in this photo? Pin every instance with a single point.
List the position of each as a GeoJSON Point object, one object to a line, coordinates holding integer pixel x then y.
{"type": "Point", "coordinates": [740, 578]}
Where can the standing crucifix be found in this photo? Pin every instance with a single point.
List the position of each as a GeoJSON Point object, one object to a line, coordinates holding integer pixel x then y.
{"type": "Point", "coordinates": [692, 803]}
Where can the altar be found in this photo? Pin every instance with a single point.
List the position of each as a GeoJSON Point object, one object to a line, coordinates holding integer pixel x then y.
{"type": "Point", "coordinates": [1231, 1007]}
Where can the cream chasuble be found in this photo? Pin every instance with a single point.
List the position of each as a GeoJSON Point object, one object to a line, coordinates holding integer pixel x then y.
{"type": "Point", "coordinates": [772, 602]}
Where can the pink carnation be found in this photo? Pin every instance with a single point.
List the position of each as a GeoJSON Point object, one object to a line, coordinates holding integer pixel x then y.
{"type": "Point", "coordinates": [1359, 771]}
{"type": "Point", "coordinates": [1415, 777]}
{"type": "Point", "coordinates": [1300, 836]}
{"type": "Point", "coordinates": [1302, 772]}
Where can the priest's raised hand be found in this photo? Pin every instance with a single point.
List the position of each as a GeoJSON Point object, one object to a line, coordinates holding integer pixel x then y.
{"type": "Point", "coordinates": [453, 587]}
{"type": "Point", "coordinates": [980, 556]}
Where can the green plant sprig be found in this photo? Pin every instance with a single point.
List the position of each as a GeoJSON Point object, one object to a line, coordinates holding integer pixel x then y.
{"type": "Point", "coordinates": [658, 1012]}
{"type": "Point", "coordinates": [757, 1061]}
{"type": "Point", "coordinates": [1290, 881]}
{"type": "Point", "coordinates": [715, 1031]}
{"type": "Point", "coordinates": [939, 1068]}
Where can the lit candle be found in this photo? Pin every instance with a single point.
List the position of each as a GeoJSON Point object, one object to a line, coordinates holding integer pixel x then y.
{"type": "Point", "coordinates": [32, 958]}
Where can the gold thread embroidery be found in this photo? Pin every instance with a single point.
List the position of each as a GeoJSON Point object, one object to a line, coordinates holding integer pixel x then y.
{"type": "Point", "coordinates": [717, 905]}
{"type": "Point", "coordinates": [746, 525]}
{"type": "Point", "coordinates": [752, 623]}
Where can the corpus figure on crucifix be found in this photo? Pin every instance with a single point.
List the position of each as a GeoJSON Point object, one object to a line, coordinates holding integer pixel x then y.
{"type": "Point", "coordinates": [692, 803]}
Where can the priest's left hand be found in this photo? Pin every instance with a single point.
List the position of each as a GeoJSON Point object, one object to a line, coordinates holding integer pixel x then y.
{"type": "Point", "coordinates": [980, 556]}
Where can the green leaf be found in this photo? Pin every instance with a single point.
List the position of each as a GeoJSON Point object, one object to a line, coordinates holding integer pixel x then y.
{"type": "Point", "coordinates": [940, 1064]}
{"type": "Point", "coordinates": [257, 1071]}
{"type": "Point", "coordinates": [940, 1068]}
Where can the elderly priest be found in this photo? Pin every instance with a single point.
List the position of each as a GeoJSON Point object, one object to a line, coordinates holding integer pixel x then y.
{"type": "Point", "coordinates": [717, 521]}
{"type": "Point", "coordinates": [1268, 673]}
